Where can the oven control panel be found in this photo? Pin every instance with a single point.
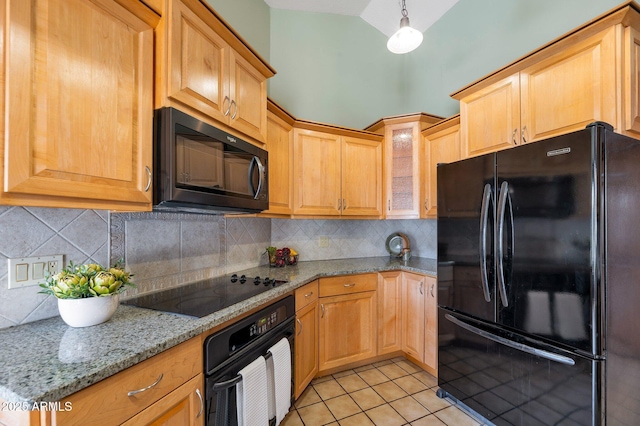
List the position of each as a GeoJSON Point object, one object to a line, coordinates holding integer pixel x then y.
{"type": "Point", "coordinates": [256, 328]}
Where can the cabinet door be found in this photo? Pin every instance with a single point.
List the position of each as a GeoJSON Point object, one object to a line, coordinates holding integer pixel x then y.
{"type": "Point", "coordinates": [248, 94]}
{"type": "Point", "coordinates": [306, 347]}
{"type": "Point", "coordinates": [316, 173]}
{"type": "Point", "coordinates": [413, 301]}
{"type": "Point", "coordinates": [361, 177]}
{"type": "Point", "coordinates": [431, 324]}
{"type": "Point", "coordinates": [78, 104]}
{"type": "Point", "coordinates": [197, 63]}
{"type": "Point", "coordinates": [631, 96]}
{"type": "Point", "coordinates": [402, 150]}
{"type": "Point", "coordinates": [347, 329]}
{"type": "Point", "coordinates": [389, 312]}
{"type": "Point", "coordinates": [571, 89]}
{"type": "Point", "coordinates": [490, 118]}
{"type": "Point", "coordinates": [183, 406]}
{"type": "Point", "coordinates": [440, 147]}
{"type": "Point", "coordinates": [280, 147]}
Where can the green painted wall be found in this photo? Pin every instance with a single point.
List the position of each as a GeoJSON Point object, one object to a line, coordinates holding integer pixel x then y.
{"type": "Point", "coordinates": [476, 38]}
{"type": "Point", "coordinates": [331, 68]}
{"type": "Point", "coordinates": [336, 69]}
{"type": "Point", "coordinates": [250, 19]}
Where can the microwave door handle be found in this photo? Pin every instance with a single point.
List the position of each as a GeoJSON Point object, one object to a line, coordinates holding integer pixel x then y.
{"type": "Point", "coordinates": [255, 161]}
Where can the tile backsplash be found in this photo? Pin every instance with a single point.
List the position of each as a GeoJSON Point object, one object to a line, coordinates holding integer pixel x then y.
{"type": "Point", "coordinates": [165, 250]}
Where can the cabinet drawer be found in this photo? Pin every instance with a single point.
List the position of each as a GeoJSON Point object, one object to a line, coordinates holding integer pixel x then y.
{"type": "Point", "coordinates": [306, 295]}
{"type": "Point", "coordinates": [107, 402]}
{"type": "Point", "coordinates": [347, 284]}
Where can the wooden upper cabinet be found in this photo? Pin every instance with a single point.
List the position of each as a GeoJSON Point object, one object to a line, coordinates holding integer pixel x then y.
{"type": "Point", "coordinates": [197, 63]}
{"type": "Point", "coordinates": [441, 144]}
{"type": "Point", "coordinates": [490, 118]}
{"type": "Point", "coordinates": [402, 146]}
{"type": "Point", "coordinates": [78, 104]}
{"type": "Point", "coordinates": [571, 89]}
{"type": "Point", "coordinates": [590, 74]}
{"type": "Point", "coordinates": [316, 173]}
{"type": "Point", "coordinates": [280, 148]}
{"type": "Point", "coordinates": [361, 177]}
{"type": "Point", "coordinates": [336, 175]}
{"type": "Point", "coordinates": [201, 70]}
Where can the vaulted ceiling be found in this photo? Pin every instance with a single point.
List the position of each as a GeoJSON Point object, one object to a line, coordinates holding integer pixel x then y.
{"type": "Point", "coordinates": [382, 14]}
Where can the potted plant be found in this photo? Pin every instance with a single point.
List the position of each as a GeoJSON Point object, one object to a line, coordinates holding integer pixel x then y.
{"type": "Point", "coordinates": [87, 294]}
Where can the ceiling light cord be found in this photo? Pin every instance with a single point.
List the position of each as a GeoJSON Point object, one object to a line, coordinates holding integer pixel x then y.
{"type": "Point", "coordinates": [404, 10]}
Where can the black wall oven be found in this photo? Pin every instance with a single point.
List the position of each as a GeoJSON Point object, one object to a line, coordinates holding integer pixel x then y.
{"type": "Point", "coordinates": [201, 168]}
{"type": "Point", "coordinates": [230, 350]}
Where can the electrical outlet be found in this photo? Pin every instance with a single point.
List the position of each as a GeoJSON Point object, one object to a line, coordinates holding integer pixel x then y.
{"type": "Point", "coordinates": [28, 271]}
{"type": "Point", "coordinates": [323, 241]}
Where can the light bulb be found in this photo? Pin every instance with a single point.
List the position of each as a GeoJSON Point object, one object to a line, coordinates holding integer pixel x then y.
{"type": "Point", "coordinates": [404, 40]}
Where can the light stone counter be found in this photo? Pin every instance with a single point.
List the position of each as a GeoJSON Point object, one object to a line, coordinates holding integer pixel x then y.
{"type": "Point", "coordinates": [47, 360]}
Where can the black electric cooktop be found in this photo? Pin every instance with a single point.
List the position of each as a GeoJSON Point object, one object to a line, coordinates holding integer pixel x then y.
{"type": "Point", "coordinates": [205, 297]}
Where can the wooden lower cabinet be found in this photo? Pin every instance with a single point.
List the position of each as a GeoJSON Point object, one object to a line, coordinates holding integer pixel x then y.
{"type": "Point", "coordinates": [431, 324]}
{"type": "Point", "coordinates": [169, 379]}
{"type": "Point", "coordinates": [413, 301]}
{"type": "Point", "coordinates": [389, 312]}
{"type": "Point", "coordinates": [347, 329]}
{"type": "Point", "coordinates": [305, 361]}
{"type": "Point", "coordinates": [183, 406]}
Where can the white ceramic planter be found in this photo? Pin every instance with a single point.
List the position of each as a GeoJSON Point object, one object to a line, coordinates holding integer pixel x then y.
{"type": "Point", "coordinates": [88, 311]}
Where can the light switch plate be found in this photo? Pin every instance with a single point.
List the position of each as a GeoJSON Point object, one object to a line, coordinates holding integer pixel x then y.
{"type": "Point", "coordinates": [28, 271]}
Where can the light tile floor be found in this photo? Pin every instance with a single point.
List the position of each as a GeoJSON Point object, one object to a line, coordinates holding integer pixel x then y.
{"type": "Point", "coordinates": [388, 393]}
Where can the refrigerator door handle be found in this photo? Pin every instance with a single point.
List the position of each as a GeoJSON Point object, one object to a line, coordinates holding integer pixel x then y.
{"type": "Point", "coordinates": [484, 218]}
{"type": "Point", "coordinates": [515, 345]}
{"type": "Point", "coordinates": [502, 207]}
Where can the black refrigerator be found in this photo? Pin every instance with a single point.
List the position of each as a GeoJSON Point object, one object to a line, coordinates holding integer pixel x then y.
{"type": "Point", "coordinates": [539, 281]}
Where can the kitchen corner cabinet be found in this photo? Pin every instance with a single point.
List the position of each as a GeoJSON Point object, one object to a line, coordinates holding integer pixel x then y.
{"type": "Point", "coordinates": [78, 104]}
{"type": "Point", "coordinates": [402, 162]}
{"type": "Point", "coordinates": [347, 325]}
{"type": "Point", "coordinates": [202, 68]}
{"type": "Point", "coordinates": [306, 340]}
{"type": "Point", "coordinates": [389, 312]}
{"type": "Point", "coordinates": [440, 144]}
{"type": "Point", "coordinates": [280, 148]}
{"type": "Point", "coordinates": [169, 389]}
{"type": "Point", "coordinates": [336, 175]}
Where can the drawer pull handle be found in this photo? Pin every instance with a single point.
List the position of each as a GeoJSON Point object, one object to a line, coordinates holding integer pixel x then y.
{"type": "Point", "coordinates": [135, 392]}
{"type": "Point", "coordinates": [201, 403]}
{"type": "Point", "coordinates": [299, 322]}
{"type": "Point", "coordinates": [350, 285]}
{"type": "Point", "coordinates": [308, 294]}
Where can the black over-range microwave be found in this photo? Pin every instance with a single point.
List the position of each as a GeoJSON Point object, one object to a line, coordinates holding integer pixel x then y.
{"type": "Point", "coordinates": [200, 168]}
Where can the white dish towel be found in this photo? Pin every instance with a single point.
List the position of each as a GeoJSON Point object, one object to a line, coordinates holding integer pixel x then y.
{"type": "Point", "coordinates": [251, 404]}
{"type": "Point", "coordinates": [279, 378]}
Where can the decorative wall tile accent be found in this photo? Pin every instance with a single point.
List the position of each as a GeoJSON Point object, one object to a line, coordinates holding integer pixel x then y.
{"type": "Point", "coordinates": [165, 250]}
{"type": "Point", "coordinates": [80, 235]}
{"type": "Point", "coordinates": [351, 238]}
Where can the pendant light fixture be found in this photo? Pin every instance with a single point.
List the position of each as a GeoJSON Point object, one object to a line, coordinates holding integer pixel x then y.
{"type": "Point", "coordinates": [406, 38]}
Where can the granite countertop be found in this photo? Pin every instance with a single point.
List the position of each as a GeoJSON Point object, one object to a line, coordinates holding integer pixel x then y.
{"type": "Point", "coordinates": [48, 360]}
